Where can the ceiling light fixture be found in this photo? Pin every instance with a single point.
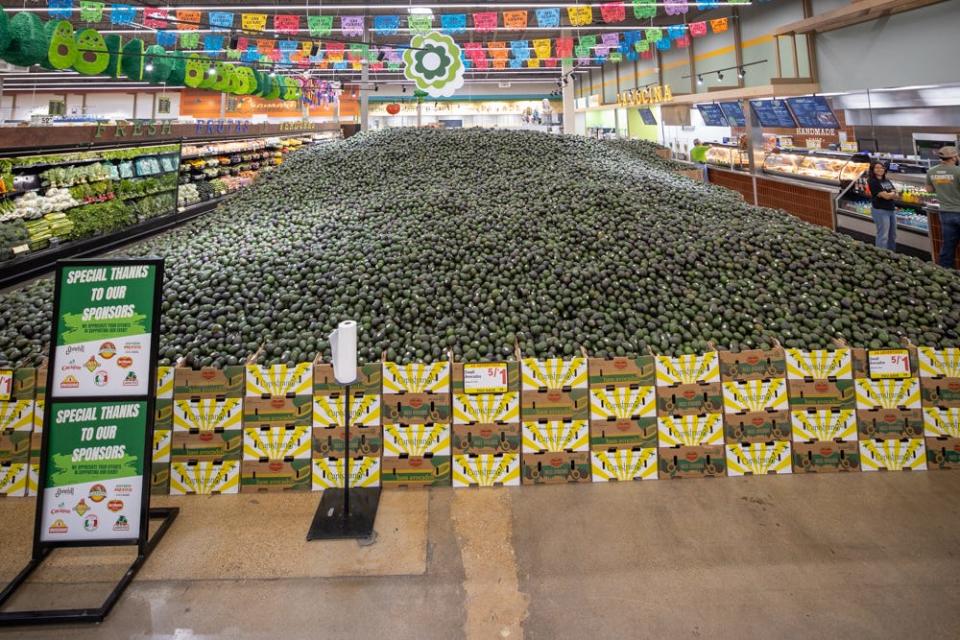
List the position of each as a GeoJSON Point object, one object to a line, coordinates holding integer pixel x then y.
{"type": "Point", "coordinates": [699, 79]}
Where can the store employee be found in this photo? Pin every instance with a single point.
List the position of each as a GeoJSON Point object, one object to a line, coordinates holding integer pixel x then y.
{"type": "Point", "coordinates": [884, 212]}
{"type": "Point", "coordinates": [944, 180]}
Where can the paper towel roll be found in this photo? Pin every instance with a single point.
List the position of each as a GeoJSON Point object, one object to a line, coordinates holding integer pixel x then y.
{"type": "Point", "coordinates": [343, 348]}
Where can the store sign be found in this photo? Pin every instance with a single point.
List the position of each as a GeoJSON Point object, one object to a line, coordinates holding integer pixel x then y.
{"type": "Point", "coordinates": [136, 129]}
{"type": "Point", "coordinates": [645, 96]}
{"type": "Point", "coordinates": [222, 126]}
{"type": "Point", "coordinates": [889, 363]}
{"type": "Point", "coordinates": [826, 133]}
{"type": "Point", "coordinates": [489, 377]}
{"type": "Point", "coordinates": [6, 384]}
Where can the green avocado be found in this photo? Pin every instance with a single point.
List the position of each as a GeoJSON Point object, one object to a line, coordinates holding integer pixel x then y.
{"type": "Point", "coordinates": [246, 80]}
{"type": "Point", "coordinates": [261, 77]}
{"type": "Point", "coordinates": [178, 68]}
{"type": "Point", "coordinates": [195, 71]}
{"type": "Point", "coordinates": [236, 81]}
{"type": "Point", "coordinates": [276, 85]}
{"type": "Point", "coordinates": [114, 44]}
{"type": "Point", "coordinates": [28, 42]}
{"type": "Point", "coordinates": [4, 31]}
{"type": "Point", "coordinates": [222, 78]}
{"type": "Point", "coordinates": [131, 62]}
{"type": "Point", "coordinates": [160, 64]}
{"type": "Point", "coordinates": [92, 54]}
{"type": "Point", "coordinates": [209, 74]}
{"type": "Point", "coordinates": [289, 89]}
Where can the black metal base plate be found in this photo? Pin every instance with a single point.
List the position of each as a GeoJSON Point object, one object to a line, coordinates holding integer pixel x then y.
{"type": "Point", "coordinates": [330, 521]}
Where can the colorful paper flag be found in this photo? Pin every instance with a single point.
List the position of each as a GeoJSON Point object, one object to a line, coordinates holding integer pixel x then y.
{"type": "Point", "coordinates": [663, 44]}
{"type": "Point", "coordinates": [644, 9]}
{"type": "Point", "coordinates": [154, 17]}
{"type": "Point", "coordinates": [580, 16]}
{"type": "Point", "coordinates": [613, 12]}
{"type": "Point", "coordinates": [453, 23]}
{"type": "Point", "coordinates": [213, 43]}
{"type": "Point", "coordinates": [719, 25]}
{"type": "Point", "coordinates": [418, 23]}
{"type": "Point", "coordinates": [675, 7]}
{"type": "Point", "coordinates": [515, 20]}
{"type": "Point", "coordinates": [190, 40]}
{"type": "Point", "coordinates": [542, 47]}
{"type": "Point", "coordinates": [485, 21]}
{"type": "Point", "coordinates": [60, 9]}
{"type": "Point", "coordinates": [187, 20]}
{"type": "Point", "coordinates": [654, 35]}
{"type": "Point", "coordinates": [676, 31]}
{"type": "Point", "coordinates": [93, 11]}
{"type": "Point", "coordinates": [698, 29]}
{"type": "Point", "coordinates": [122, 13]}
{"type": "Point", "coordinates": [167, 39]}
{"type": "Point", "coordinates": [319, 26]}
{"type": "Point", "coordinates": [548, 17]}
{"type": "Point", "coordinates": [386, 25]}
{"type": "Point", "coordinates": [253, 21]}
{"type": "Point", "coordinates": [220, 20]}
{"type": "Point", "coordinates": [351, 26]}
{"type": "Point", "coordinates": [564, 47]}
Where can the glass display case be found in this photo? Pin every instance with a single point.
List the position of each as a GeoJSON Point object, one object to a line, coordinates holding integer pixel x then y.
{"type": "Point", "coordinates": [817, 166]}
{"type": "Point", "coordinates": [727, 155]}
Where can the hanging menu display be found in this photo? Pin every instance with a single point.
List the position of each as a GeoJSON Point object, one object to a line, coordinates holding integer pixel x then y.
{"type": "Point", "coordinates": [712, 115]}
{"type": "Point", "coordinates": [733, 112]}
{"type": "Point", "coordinates": [647, 116]}
{"type": "Point", "coordinates": [813, 112]}
{"type": "Point", "coordinates": [773, 114]}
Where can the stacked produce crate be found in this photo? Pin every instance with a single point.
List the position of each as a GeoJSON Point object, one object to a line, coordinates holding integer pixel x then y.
{"type": "Point", "coordinates": [940, 390]}
{"type": "Point", "coordinates": [689, 416]}
{"type": "Point", "coordinates": [486, 424]}
{"type": "Point", "coordinates": [416, 425]}
{"type": "Point", "coordinates": [207, 430]}
{"type": "Point", "coordinates": [623, 419]}
{"type": "Point", "coordinates": [330, 454]}
{"type": "Point", "coordinates": [277, 421]}
{"type": "Point", "coordinates": [17, 418]}
{"type": "Point", "coordinates": [36, 440]}
{"type": "Point", "coordinates": [162, 433]}
{"type": "Point", "coordinates": [822, 410]}
{"type": "Point", "coordinates": [555, 412]}
{"type": "Point", "coordinates": [756, 412]}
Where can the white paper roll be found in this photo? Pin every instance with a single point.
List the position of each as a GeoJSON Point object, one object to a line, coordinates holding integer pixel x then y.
{"type": "Point", "coordinates": [343, 348]}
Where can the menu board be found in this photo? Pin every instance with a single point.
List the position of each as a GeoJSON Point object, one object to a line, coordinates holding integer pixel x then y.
{"type": "Point", "coordinates": [734, 114]}
{"type": "Point", "coordinates": [813, 112]}
{"type": "Point", "coordinates": [773, 114]}
{"type": "Point", "coordinates": [713, 115]}
{"type": "Point", "coordinates": [647, 116]}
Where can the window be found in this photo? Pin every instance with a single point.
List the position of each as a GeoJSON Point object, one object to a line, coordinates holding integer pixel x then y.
{"type": "Point", "coordinates": [57, 108]}
{"type": "Point", "coordinates": [163, 105]}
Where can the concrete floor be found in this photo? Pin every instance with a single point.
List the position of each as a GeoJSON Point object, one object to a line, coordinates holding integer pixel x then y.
{"type": "Point", "coordinates": [864, 556]}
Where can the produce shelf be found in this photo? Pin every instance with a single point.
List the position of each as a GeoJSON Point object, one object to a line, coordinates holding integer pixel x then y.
{"type": "Point", "coordinates": [913, 229]}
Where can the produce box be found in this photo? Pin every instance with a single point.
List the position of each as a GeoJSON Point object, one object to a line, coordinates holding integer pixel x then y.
{"type": "Point", "coordinates": [861, 361]}
{"type": "Point", "coordinates": [40, 383]}
{"type": "Point", "coordinates": [622, 372]}
{"type": "Point", "coordinates": [279, 380]}
{"type": "Point", "coordinates": [275, 475]}
{"type": "Point", "coordinates": [940, 377]}
{"type": "Point", "coordinates": [36, 446]}
{"type": "Point", "coordinates": [690, 431]}
{"type": "Point", "coordinates": [485, 378]}
{"type": "Point", "coordinates": [555, 404]}
{"type": "Point", "coordinates": [555, 467]}
{"type": "Point", "coordinates": [824, 425]}
{"type": "Point", "coordinates": [416, 408]}
{"type": "Point", "coordinates": [552, 374]}
{"type": "Point", "coordinates": [486, 470]}
{"type": "Point", "coordinates": [638, 433]}
{"type": "Point", "coordinates": [162, 445]}
{"type": "Point", "coordinates": [685, 461]}
{"type": "Point", "coordinates": [819, 365]}
{"type": "Point", "coordinates": [160, 479]}
{"type": "Point", "coordinates": [16, 429]}
{"type": "Point", "coordinates": [33, 479]}
{"type": "Point", "coordinates": [416, 378]}
{"type": "Point", "coordinates": [269, 444]}
{"type": "Point", "coordinates": [756, 411]}
{"type": "Point", "coordinates": [165, 377]}
{"type": "Point", "coordinates": [208, 414]}
{"type": "Point", "coordinates": [754, 364]}
{"type": "Point", "coordinates": [821, 394]}
{"type": "Point", "coordinates": [204, 478]}
{"type": "Point", "coordinates": [556, 435]}
{"type": "Point", "coordinates": [889, 408]}
{"type": "Point", "coordinates": [941, 422]}
{"type": "Point", "coordinates": [22, 384]}
{"type": "Point", "coordinates": [415, 471]}
{"type": "Point", "coordinates": [278, 411]}
{"type": "Point", "coordinates": [13, 479]}
{"type": "Point", "coordinates": [758, 458]}
{"type": "Point", "coordinates": [207, 445]}
{"type": "Point", "coordinates": [694, 398]}
{"type": "Point", "coordinates": [825, 457]}
{"type": "Point", "coordinates": [943, 452]}
{"type": "Point", "coordinates": [328, 410]}
{"type": "Point", "coordinates": [369, 380]}
{"type": "Point", "coordinates": [163, 414]}
{"type": "Point", "coordinates": [486, 409]}
{"type": "Point", "coordinates": [688, 370]}
{"type": "Point", "coordinates": [328, 442]}
{"type": "Point", "coordinates": [908, 454]}
{"type": "Point", "coordinates": [623, 403]}
{"type": "Point", "coordinates": [623, 465]}
{"type": "Point", "coordinates": [328, 473]}
{"type": "Point", "coordinates": [416, 440]}
{"type": "Point", "coordinates": [209, 382]}
{"type": "Point", "coordinates": [890, 423]}
{"type": "Point", "coordinates": [757, 426]}
{"type": "Point", "coordinates": [486, 439]}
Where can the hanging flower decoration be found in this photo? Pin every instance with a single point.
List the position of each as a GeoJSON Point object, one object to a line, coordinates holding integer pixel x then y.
{"type": "Point", "coordinates": [433, 63]}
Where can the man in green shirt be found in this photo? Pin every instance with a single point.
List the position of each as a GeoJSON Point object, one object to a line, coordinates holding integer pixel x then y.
{"type": "Point", "coordinates": [698, 153]}
{"type": "Point", "coordinates": [944, 180]}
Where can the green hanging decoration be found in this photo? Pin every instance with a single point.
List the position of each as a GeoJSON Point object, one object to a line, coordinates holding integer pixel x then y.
{"type": "Point", "coordinates": [93, 58]}
{"type": "Point", "coordinates": [644, 9]}
{"type": "Point", "coordinates": [62, 50]}
{"type": "Point", "coordinates": [160, 65]}
{"type": "Point", "coordinates": [131, 60]}
{"type": "Point", "coordinates": [178, 68]}
{"type": "Point", "coordinates": [195, 71]}
{"type": "Point", "coordinates": [190, 40]}
{"type": "Point", "coordinates": [27, 44]}
{"type": "Point", "coordinates": [654, 35]}
{"type": "Point", "coordinates": [114, 44]}
{"type": "Point", "coordinates": [4, 31]}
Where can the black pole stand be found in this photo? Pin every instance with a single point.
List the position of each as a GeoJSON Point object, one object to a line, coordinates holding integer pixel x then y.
{"type": "Point", "coordinates": [62, 616]}
{"type": "Point", "coordinates": [345, 513]}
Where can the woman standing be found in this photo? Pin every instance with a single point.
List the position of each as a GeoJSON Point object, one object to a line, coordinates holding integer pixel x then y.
{"type": "Point", "coordinates": [884, 211]}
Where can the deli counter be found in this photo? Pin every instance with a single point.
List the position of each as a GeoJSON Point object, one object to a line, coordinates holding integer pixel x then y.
{"type": "Point", "coordinates": [824, 167]}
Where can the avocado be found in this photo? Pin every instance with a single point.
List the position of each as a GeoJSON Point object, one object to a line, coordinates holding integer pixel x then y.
{"type": "Point", "coordinates": [290, 89]}
{"type": "Point", "coordinates": [114, 44]}
{"type": "Point", "coordinates": [236, 81]}
{"type": "Point", "coordinates": [131, 62]}
{"type": "Point", "coordinates": [247, 81]}
{"type": "Point", "coordinates": [195, 70]}
{"type": "Point", "coordinates": [208, 78]}
{"type": "Point", "coordinates": [92, 55]}
{"type": "Point", "coordinates": [160, 64]}
{"type": "Point", "coordinates": [28, 42]}
{"type": "Point", "coordinates": [276, 86]}
{"type": "Point", "coordinates": [222, 78]}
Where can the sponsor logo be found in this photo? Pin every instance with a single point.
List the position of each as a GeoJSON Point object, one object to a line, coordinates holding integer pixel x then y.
{"type": "Point", "coordinates": [108, 350]}
{"type": "Point", "coordinates": [92, 364]}
{"type": "Point", "coordinates": [98, 492]}
{"type": "Point", "coordinates": [63, 492]}
{"type": "Point", "coordinates": [132, 347]}
{"type": "Point", "coordinates": [124, 362]}
{"type": "Point", "coordinates": [75, 348]}
{"type": "Point", "coordinates": [69, 382]}
{"type": "Point", "coordinates": [115, 505]}
{"type": "Point", "coordinates": [131, 380]}
{"type": "Point", "coordinates": [81, 507]}
{"type": "Point", "coordinates": [101, 378]}
{"type": "Point", "coordinates": [73, 366]}
{"type": "Point", "coordinates": [60, 510]}
{"type": "Point", "coordinates": [58, 526]}
{"type": "Point", "coordinates": [91, 522]}
{"type": "Point", "coordinates": [123, 489]}
{"type": "Point", "coordinates": [121, 524]}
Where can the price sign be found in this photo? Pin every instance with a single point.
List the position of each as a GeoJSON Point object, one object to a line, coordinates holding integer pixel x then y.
{"type": "Point", "coordinates": [488, 377]}
{"type": "Point", "coordinates": [6, 384]}
{"type": "Point", "coordinates": [889, 363]}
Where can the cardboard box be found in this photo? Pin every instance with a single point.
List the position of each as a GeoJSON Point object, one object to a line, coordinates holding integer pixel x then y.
{"type": "Point", "coordinates": [824, 425]}
{"type": "Point", "coordinates": [622, 372]}
{"type": "Point", "coordinates": [511, 381]}
{"type": "Point", "coordinates": [688, 370]}
{"type": "Point", "coordinates": [940, 392]}
{"type": "Point", "coordinates": [160, 479]}
{"type": "Point", "coordinates": [555, 467]}
{"type": "Point", "coordinates": [204, 478]}
{"type": "Point", "coordinates": [279, 380]}
{"type": "Point", "coordinates": [208, 446]}
{"type": "Point", "coordinates": [17, 415]}
{"type": "Point", "coordinates": [36, 446]}
{"type": "Point", "coordinates": [694, 398]}
{"type": "Point", "coordinates": [40, 384]}
{"type": "Point", "coordinates": [416, 440]}
{"type": "Point", "coordinates": [415, 471]}
{"type": "Point", "coordinates": [486, 470]}
{"type": "Point", "coordinates": [33, 480]}
{"type": "Point", "coordinates": [753, 364]}
{"type": "Point", "coordinates": [888, 394]}
{"type": "Point", "coordinates": [637, 433]}
{"type": "Point", "coordinates": [623, 465]}
{"type": "Point", "coordinates": [275, 475]}
{"type": "Point", "coordinates": [22, 384]}
{"type": "Point", "coordinates": [890, 423]}
{"type": "Point", "coordinates": [908, 454]}
{"type": "Point", "coordinates": [556, 435]}
{"type": "Point", "coordinates": [555, 404]}
{"type": "Point", "coordinates": [943, 453]}
{"type": "Point", "coordinates": [162, 445]}
{"type": "Point", "coordinates": [328, 442]}
{"type": "Point", "coordinates": [278, 412]}
{"type": "Point", "coordinates": [208, 414]}
{"type": "Point", "coordinates": [369, 380]}
{"type": "Point", "coordinates": [328, 410]}
{"type": "Point", "coordinates": [758, 459]}
{"type": "Point", "coordinates": [268, 444]}
{"type": "Point", "coordinates": [486, 439]}
{"type": "Point", "coordinates": [861, 361]}
{"type": "Point", "coordinates": [208, 382]}
{"type": "Point", "coordinates": [819, 365]}
{"type": "Point", "coordinates": [939, 423]}
{"type": "Point", "coordinates": [39, 406]}
{"type": "Point", "coordinates": [164, 383]}
{"type": "Point", "coordinates": [328, 473]}
{"type": "Point", "coordinates": [163, 414]}
{"type": "Point", "coordinates": [623, 403]}
{"type": "Point", "coordinates": [702, 461]}
{"type": "Point", "coordinates": [821, 394]}
{"type": "Point", "coordinates": [487, 408]}
{"type": "Point", "coordinates": [552, 374]}
{"type": "Point", "coordinates": [755, 396]}
{"type": "Point", "coordinates": [690, 431]}
{"type": "Point", "coordinates": [15, 446]}
{"type": "Point", "coordinates": [416, 378]}
{"type": "Point", "coordinates": [825, 457]}
{"type": "Point", "coordinates": [757, 426]}
{"type": "Point", "coordinates": [939, 363]}
{"type": "Point", "coordinates": [416, 408]}
{"type": "Point", "coordinates": [13, 479]}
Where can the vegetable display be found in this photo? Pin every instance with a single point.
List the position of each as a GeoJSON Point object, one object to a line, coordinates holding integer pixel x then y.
{"type": "Point", "coordinates": [480, 241]}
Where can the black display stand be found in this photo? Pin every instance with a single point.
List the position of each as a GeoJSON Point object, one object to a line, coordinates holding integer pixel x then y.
{"type": "Point", "coordinates": [345, 513]}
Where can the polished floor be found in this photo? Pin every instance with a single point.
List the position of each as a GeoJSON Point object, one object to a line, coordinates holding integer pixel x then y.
{"type": "Point", "coordinates": [861, 556]}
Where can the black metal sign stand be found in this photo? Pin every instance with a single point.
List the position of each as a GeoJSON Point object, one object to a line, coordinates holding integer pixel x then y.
{"type": "Point", "coordinates": [345, 513]}
{"type": "Point", "coordinates": [144, 543]}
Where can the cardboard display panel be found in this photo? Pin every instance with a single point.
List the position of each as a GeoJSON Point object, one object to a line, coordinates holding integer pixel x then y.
{"type": "Point", "coordinates": [621, 465]}
{"type": "Point", "coordinates": [486, 470]}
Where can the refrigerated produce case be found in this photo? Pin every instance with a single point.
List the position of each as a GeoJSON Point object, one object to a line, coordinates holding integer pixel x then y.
{"type": "Point", "coordinates": [727, 155]}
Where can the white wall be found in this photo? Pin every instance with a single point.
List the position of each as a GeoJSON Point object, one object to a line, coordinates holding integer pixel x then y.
{"type": "Point", "coordinates": [104, 104]}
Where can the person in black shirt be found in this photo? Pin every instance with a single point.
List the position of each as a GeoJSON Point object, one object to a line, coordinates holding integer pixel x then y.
{"type": "Point", "coordinates": [884, 212]}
